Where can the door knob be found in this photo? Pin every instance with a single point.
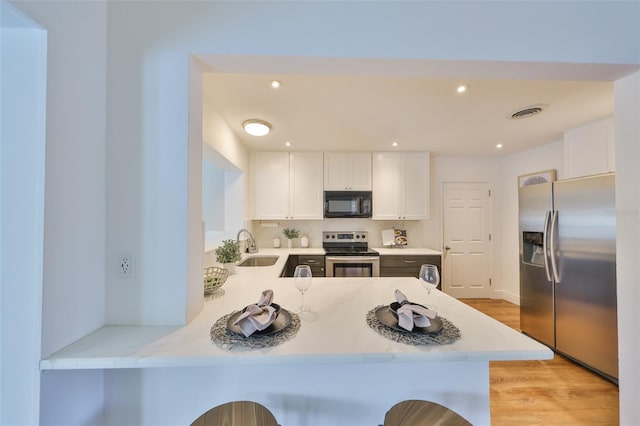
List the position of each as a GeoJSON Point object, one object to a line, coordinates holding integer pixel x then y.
{"type": "Point", "coordinates": [447, 248]}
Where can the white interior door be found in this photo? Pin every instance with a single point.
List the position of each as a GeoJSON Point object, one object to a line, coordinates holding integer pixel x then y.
{"type": "Point", "coordinates": [467, 237]}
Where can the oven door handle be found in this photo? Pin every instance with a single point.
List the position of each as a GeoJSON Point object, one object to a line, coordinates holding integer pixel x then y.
{"type": "Point", "coordinates": [352, 259]}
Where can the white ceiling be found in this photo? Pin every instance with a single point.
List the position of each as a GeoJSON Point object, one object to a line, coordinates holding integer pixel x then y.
{"type": "Point", "coordinates": [365, 105]}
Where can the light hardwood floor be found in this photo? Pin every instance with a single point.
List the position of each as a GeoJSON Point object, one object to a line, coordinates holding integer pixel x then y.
{"type": "Point", "coordinates": [555, 392]}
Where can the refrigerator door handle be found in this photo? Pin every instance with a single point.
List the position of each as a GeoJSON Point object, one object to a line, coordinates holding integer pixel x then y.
{"type": "Point", "coordinates": [545, 247]}
{"type": "Point", "coordinates": [552, 243]}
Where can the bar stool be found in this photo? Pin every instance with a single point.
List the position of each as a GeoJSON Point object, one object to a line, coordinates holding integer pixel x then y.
{"type": "Point", "coordinates": [422, 413]}
{"type": "Point", "coordinates": [237, 413]}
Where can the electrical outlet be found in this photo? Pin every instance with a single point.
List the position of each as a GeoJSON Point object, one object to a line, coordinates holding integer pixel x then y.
{"type": "Point", "coordinates": [126, 266]}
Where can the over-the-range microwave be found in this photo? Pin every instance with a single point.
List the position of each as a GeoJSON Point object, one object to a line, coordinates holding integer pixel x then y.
{"type": "Point", "coordinates": [347, 204]}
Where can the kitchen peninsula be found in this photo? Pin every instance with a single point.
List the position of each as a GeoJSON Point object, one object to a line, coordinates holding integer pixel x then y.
{"type": "Point", "coordinates": [336, 370]}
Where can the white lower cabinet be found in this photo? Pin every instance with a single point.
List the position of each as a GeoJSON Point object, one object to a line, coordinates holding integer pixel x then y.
{"type": "Point", "coordinates": [400, 185]}
{"type": "Point", "coordinates": [287, 185]}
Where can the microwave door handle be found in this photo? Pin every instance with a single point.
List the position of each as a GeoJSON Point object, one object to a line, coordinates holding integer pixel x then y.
{"type": "Point", "coordinates": [545, 246]}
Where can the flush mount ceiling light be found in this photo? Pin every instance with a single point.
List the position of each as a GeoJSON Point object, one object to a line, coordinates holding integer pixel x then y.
{"type": "Point", "coordinates": [256, 127]}
{"type": "Point", "coordinates": [275, 84]}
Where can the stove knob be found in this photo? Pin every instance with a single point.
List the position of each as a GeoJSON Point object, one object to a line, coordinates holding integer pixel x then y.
{"type": "Point", "coordinates": [357, 236]}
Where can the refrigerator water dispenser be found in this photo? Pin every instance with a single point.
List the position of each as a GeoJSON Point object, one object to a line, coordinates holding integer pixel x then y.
{"type": "Point", "coordinates": [532, 248]}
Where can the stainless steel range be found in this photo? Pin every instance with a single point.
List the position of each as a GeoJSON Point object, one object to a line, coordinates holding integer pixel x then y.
{"type": "Point", "coordinates": [347, 254]}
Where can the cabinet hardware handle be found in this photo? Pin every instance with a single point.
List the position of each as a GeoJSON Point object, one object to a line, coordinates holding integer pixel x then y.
{"type": "Point", "coordinates": [410, 261]}
{"type": "Point", "coordinates": [447, 248]}
{"type": "Point", "coordinates": [311, 261]}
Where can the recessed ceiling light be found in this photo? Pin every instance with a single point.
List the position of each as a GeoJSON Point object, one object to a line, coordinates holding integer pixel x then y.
{"type": "Point", "coordinates": [275, 84]}
{"type": "Point", "coordinates": [287, 143]}
{"type": "Point", "coordinates": [462, 88]}
{"type": "Point", "coordinates": [395, 144]}
{"type": "Point", "coordinates": [256, 127]}
{"type": "Point", "coordinates": [499, 145]}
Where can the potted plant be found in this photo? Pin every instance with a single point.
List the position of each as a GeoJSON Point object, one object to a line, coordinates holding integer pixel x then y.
{"type": "Point", "coordinates": [290, 233]}
{"type": "Point", "coordinates": [228, 253]}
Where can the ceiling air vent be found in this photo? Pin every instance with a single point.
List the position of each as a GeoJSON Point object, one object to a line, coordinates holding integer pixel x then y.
{"type": "Point", "coordinates": [528, 111]}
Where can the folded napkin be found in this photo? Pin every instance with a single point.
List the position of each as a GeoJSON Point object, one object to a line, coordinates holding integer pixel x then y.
{"type": "Point", "coordinates": [410, 314]}
{"type": "Point", "coordinates": [257, 317]}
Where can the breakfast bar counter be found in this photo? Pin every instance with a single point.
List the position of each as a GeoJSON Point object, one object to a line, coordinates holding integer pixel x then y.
{"type": "Point", "coordinates": [336, 370]}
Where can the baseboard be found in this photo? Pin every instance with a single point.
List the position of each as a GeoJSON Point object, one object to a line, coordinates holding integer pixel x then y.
{"type": "Point", "coordinates": [505, 295]}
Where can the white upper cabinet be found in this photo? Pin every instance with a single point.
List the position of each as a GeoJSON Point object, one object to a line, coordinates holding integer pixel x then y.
{"type": "Point", "coordinates": [590, 149]}
{"type": "Point", "coordinates": [400, 185]}
{"type": "Point", "coordinates": [287, 185]}
{"type": "Point", "coordinates": [347, 171]}
{"type": "Point", "coordinates": [270, 185]}
{"type": "Point", "coordinates": [305, 185]}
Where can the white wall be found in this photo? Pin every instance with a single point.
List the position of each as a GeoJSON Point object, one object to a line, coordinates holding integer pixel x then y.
{"type": "Point", "coordinates": [74, 397]}
{"type": "Point", "coordinates": [218, 135]}
{"type": "Point", "coordinates": [212, 192]}
{"type": "Point", "coordinates": [224, 151]}
{"type": "Point", "coordinates": [73, 292]}
{"type": "Point", "coordinates": [627, 111]}
{"type": "Point", "coordinates": [22, 190]}
{"type": "Point", "coordinates": [74, 240]}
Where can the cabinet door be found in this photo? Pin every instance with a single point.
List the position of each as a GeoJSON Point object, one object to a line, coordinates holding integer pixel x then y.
{"type": "Point", "coordinates": [306, 179]}
{"type": "Point", "coordinates": [360, 171]}
{"type": "Point", "coordinates": [415, 202]}
{"type": "Point", "coordinates": [316, 262]}
{"type": "Point", "coordinates": [336, 166]}
{"type": "Point", "coordinates": [270, 185]}
{"type": "Point", "coordinates": [387, 167]}
{"type": "Point", "coordinates": [590, 150]}
{"type": "Point", "coordinates": [407, 266]}
{"type": "Point", "coordinates": [347, 171]}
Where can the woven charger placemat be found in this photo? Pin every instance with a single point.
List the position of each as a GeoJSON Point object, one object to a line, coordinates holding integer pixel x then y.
{"type": "Point", "coordinates": [226, 339]}
{"type": "Point", "coordinates": [447, 335]}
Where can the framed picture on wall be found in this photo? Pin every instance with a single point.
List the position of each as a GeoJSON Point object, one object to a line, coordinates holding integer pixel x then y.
{"type": "Point", "coordinates": [536, 178]}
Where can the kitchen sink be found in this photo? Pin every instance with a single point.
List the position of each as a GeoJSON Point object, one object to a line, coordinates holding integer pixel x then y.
{"type": "Point", "coordinates": [259, 261]}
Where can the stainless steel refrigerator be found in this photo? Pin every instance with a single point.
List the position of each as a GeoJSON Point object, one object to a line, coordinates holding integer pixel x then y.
{"type": "Point", "coordinates": [568, 269]}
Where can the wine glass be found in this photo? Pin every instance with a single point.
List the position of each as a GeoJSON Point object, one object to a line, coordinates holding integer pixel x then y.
{"type": "Point", "coordinates": [302, 279]}
{"type": "Point", "coordinates": [429, 278]}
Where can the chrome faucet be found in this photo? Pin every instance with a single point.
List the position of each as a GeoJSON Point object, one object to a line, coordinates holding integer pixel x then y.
{"type": "Point", "coordinates": [251, 244]}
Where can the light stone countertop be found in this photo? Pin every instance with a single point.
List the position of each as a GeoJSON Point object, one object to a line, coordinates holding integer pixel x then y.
{"type": "Point", "coordinates": [340, 335]}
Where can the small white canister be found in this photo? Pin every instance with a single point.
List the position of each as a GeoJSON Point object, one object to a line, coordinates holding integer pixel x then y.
{"type": "Point", "coordinates": [304, 241]}
{"type": "Point", "coordinates": [276, 242]}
